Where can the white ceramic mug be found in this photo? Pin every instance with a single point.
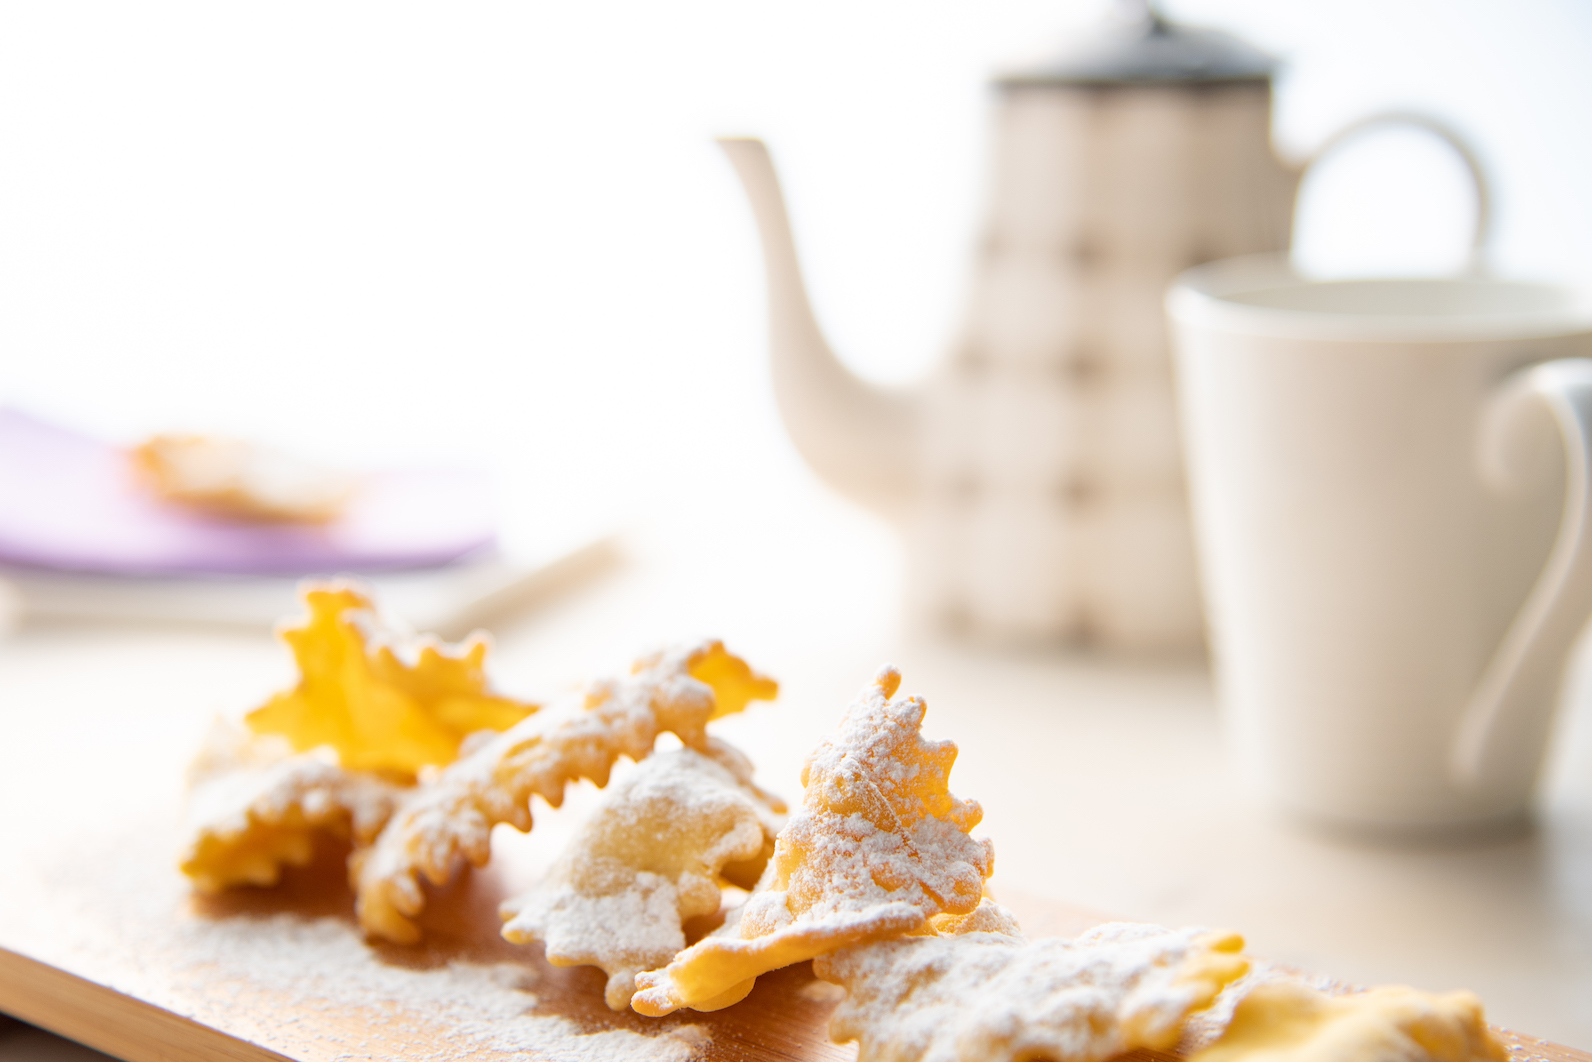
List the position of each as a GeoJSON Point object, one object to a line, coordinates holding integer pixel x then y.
{"type": "Point", "coordinates": [1389, 484]}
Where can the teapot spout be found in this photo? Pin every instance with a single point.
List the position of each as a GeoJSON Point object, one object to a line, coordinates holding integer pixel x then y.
{"type": "Point", "coordinates": [861, 439]}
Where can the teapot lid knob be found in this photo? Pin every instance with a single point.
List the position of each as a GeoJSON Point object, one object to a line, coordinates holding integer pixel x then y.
{"type": "Point", "coordinates": [1144, 15]}
{"type": "Point", "coordinates": [1139, 45]}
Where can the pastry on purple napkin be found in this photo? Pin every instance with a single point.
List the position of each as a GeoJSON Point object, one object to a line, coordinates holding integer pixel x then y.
{"type": "Point", "coordinates": [70, 502]}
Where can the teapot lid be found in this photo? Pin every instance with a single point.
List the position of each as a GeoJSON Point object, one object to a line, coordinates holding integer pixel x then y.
{"type": "Point", "coordinates": [1137, 45]}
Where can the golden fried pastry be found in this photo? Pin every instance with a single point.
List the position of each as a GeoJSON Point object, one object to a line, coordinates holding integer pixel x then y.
{"type": "Point", "coordinates": [654, 855]}
{"type": "Point", "coordinates": [383, 700]}
{"type": "Point", "coordinates": [241, 480]}
{"type": "Point", "coordinates": [256, 806]}
{"type": "Point", "coordinates": [1283, 1022]}
{"type": "Point", "coordinates": [449, 818]}
{"type": "Point", "coordinates": [981, 993]}
{"type": "Point", "coordinates": [878, 847]}
{"type": "Point", "coordinates": [987, 917]}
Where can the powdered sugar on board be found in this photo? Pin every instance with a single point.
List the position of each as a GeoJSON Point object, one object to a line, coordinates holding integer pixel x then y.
{"type": "Point", "coordinates": [113, 910]}
{"type": "Point", "coordinates": [287, 968]}
{"type": "Point", "coordinates": [322, 966]}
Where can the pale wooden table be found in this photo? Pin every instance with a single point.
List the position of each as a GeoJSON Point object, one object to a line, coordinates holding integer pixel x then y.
{"type": "Point", "coordinates": [1104, 783]}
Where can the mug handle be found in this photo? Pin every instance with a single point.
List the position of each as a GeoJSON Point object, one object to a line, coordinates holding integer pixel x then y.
{"type": "Point", "coordinates": [1505, 725]}
{"type": "Point", "coordinates": [1481, 236]}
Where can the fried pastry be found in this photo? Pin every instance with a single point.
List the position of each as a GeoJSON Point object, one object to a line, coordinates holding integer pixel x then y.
{"type": "Point", "coordinates": [980, 992]}
{"type": "Point", "coordinates": [878, 847]}
{"type": "Point", "coordinates": [255, 806]}
{"type": "Point", "coordinates": [384, 700]}
{"type": "Point", "coordinates": [655, 854]}
{"type": "Point", "coordinates": [240, 480]}
{"type": "Point", "coordinates": [1285, 1022]}
{"type": "Point", "coordinates": [448, 819]}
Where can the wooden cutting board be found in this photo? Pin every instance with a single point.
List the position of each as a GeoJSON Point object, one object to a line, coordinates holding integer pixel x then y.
{"type": "Point", "coordinates": [102, 941]}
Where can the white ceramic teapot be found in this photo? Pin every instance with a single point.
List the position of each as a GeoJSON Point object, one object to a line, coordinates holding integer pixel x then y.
{"type": "Point", "coordinates": [1037, 473]}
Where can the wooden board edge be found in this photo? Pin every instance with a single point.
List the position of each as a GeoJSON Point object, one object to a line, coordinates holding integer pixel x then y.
{"type": "Point", "coordinates": [1527, 1048]}
{"type": "Point", "coordinates": [109, 1021]}
{"type": "Point", "coordinates": [134, 1031]}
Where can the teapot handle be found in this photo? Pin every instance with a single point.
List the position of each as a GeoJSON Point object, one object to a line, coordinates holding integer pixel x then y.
{"type": "Point", "coordinates": [1504, 727]}
{"type": "Point", "coordinates": [1482, 232]}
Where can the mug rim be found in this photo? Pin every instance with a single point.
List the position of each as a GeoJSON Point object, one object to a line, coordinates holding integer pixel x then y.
{"type": "Point", "coordinates": [1205, 296]}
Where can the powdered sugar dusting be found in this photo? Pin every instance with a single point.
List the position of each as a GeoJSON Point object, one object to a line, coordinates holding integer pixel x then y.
{"type": "Point", "coordinates": [878, 826]}
{"type": "Point", "coordinates": [879, 846]}
{"type": "Point", "coordinates": [648, 860]}
{"type": "Point", "coordinates": [310, 987]}
{"type": "Point", "coordinates": [995, 997]}
{"type": "Point", "coordinates": [449, 819]}
{"type": "Point", "coordinates": [321, 966]}
{"type": "Point", "coordinates": [256, 806]}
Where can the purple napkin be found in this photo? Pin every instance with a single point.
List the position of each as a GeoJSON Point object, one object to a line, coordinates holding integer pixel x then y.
{"type": "Point", "coordinates": [69, 502]}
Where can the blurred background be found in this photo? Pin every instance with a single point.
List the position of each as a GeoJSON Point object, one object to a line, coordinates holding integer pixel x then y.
{"type": "Point", "coordinates": [384, 232]}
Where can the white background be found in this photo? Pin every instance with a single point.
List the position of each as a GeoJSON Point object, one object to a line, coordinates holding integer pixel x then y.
{"type": "Point", "coordinates": [396, 231]}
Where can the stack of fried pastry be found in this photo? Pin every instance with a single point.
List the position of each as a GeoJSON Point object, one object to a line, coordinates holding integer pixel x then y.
{"type": "Point", "coordinates": [398, 744]}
